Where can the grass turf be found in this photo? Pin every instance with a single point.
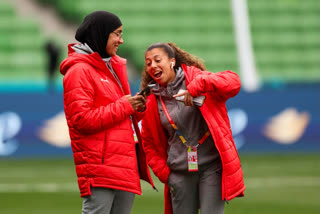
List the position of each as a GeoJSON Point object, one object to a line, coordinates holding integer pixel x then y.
{"type": "Point", "coordinates": [276, 184]}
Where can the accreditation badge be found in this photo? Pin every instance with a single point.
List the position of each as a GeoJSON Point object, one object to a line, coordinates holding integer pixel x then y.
{"type": "Point", "coordinates": [192, 159]}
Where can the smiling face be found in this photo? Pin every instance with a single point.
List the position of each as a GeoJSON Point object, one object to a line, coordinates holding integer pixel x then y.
{"type": "Point", "coordinates": [159, 66]}
{"type": "Point", "coordinates": [114, 40]}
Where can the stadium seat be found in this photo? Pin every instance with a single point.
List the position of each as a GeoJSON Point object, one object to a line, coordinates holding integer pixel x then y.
{"type": "Point", "coordinates": [22, 56]}
{"type": "Point", "coordinates": [285, 34]}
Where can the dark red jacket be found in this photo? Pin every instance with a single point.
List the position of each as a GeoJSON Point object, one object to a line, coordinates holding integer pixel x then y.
{"type": "Point", "coordinates": [217, 87]}
{"type": "Point", "coordinates": [98, 116]}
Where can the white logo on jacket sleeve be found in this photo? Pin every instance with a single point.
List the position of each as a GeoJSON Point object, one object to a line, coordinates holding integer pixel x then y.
{"type": "Point", "coordinates": [104, 80]}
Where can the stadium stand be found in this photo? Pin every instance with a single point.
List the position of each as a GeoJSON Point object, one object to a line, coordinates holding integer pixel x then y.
{"type": "Point", "coordinates": [203, 29]}
{"type": "Point", "coordinates": [285, 34]}
{"type": "Point", "coordinates": [286, 39]}
{"type": "Point", "coordinates": [21, 48]}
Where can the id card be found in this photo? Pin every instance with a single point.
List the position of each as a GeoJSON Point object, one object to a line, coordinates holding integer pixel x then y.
{"type": "Point", "coordinates": [192, 159]}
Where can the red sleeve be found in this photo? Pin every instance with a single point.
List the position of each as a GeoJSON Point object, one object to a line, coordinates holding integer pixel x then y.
{"type": "Point", "coordinates": [78, 101]}
{"type": "Point", "coordinates": [225, 84]}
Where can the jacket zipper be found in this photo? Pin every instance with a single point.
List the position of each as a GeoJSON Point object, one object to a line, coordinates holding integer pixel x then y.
{"type": "Point", "coordinates": [120, 86]}
{"type": "Point", "coordinates": [116, 78]}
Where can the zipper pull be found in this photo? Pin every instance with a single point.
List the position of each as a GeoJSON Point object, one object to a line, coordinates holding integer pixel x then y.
{"type": "Point", "coordinates": [225, 200]}
{"type": "Point", "coordinates": [155, 188]}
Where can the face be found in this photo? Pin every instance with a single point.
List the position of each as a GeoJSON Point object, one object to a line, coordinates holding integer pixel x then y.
{"type": "Point", "coordinates": [114, 40]}
{"type": "Point", "coordinates": [159, 66]}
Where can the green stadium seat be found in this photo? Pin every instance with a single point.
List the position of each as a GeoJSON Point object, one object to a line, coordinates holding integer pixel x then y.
{"type": "Point", "coordinates": [22, 55]}
{"type": "Point", "coordinates": [6, 10]}
{"type": "Point", "coordinates": [285, 34]}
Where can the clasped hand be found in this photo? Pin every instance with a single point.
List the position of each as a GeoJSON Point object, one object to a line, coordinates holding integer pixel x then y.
{"type": "Point", "coordinates": [138, 102]}
{"type": "Point", "coordinates": [187, 98]}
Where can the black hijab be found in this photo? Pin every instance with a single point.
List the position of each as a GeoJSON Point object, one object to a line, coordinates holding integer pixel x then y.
{"type": "Point", "coordinates": [95, 30]}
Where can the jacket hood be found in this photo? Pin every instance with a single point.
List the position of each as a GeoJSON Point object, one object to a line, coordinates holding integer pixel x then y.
{"type": "Point", "coordinates": [94, 59]}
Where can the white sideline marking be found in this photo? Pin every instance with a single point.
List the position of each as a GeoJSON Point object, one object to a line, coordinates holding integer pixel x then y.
{"type": "Point", "coordinates": [271, 182]}
{"type": "Point", "coordinates": [41, 187]}
{"type": "Point", "coordinates": [282, 182]}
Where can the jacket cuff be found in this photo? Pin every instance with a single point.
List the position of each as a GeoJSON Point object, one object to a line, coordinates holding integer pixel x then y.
{"type": "Point", "coordinates": [127, 105]}
{"type": "Point", "coordinates": [165, 176]}
{"type": "Point", "coordinates": [191, 91]}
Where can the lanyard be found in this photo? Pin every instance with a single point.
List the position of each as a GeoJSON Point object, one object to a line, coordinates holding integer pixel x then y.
{"type": "Point", "coordinates": [205, 136]}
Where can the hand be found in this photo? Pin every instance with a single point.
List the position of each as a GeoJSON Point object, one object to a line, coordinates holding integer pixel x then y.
{"type": "Point", "coordinates": [187, 98]}
{"type": "Point", "coordinates": [138, 102]}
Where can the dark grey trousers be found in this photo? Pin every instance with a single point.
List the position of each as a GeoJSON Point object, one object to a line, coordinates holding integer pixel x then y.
{"type": "Point", "coordinates": [107, 201]}
{"type": "Point", "coordinates": [191, 189]}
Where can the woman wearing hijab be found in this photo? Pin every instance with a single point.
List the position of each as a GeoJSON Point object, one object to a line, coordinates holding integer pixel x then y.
{"type": "Point", "coordinates": [100, 113]}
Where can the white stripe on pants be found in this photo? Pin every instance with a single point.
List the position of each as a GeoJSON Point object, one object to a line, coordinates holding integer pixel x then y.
{"type": "Point", "coordinates": [107, 201]}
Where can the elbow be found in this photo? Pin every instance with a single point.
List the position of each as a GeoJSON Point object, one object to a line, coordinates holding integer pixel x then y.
{"type": "Point", "coordinates": [236, 84]}
{"type": "Point", "coordinates": [237, 87]}
{"type": "Point", "coordinates": [82, 128]}
{"type": "Point", "coordinates": [235, 90]}
{"type": "Point", "coordinates": [82, 125]}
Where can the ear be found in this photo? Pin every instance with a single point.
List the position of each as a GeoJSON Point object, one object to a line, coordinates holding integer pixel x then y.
{"type": "Point", "coordinates": [173, 62]}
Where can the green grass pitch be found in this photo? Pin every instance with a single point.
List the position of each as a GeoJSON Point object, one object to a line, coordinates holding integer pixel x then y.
{"type": "Point", "coordinates": [276, 184]}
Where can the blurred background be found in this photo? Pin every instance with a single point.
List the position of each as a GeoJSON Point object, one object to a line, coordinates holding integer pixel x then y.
{"type": "Point", "coordinates": [273, 45]}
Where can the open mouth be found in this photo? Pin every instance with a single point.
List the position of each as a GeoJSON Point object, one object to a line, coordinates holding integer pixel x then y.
{"type": "Point", "coordinates": [157, 74]}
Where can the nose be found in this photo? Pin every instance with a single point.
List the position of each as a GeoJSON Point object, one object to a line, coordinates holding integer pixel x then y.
{"type": "Point", "coordinates": [153, 64]}
{"type": "Point", "coordinates": [121, 40]}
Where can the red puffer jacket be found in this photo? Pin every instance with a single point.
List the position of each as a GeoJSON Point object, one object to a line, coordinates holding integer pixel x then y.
{"type": "Point", "coordinates": [98, 116]}
{"type": "Point", "coordinates": [217, 88]}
